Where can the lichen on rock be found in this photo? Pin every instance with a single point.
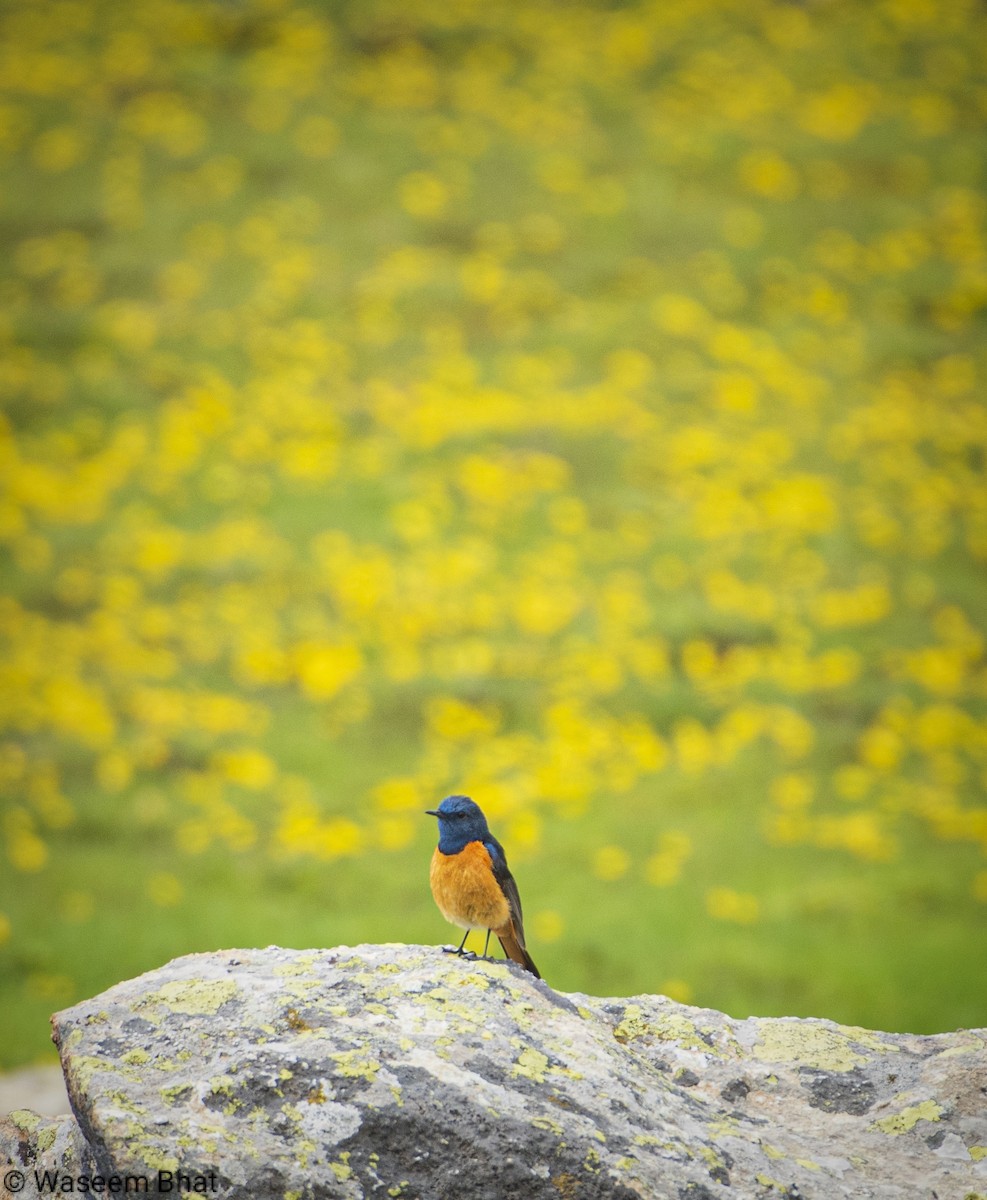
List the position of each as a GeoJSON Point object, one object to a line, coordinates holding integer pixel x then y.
{"type": "Point", "coordinates": [399, 1071]}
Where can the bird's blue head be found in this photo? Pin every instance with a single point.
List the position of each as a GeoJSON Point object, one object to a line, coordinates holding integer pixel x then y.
{"type": "Point", "coordinates": [460, 822]}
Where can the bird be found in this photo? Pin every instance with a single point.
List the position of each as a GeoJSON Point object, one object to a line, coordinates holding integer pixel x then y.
{"type": "Point", "coordinates": [472, 883]}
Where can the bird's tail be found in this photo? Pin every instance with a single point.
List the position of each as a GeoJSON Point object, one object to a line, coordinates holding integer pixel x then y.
{"type": "Point", "coordinates": [515, 951]}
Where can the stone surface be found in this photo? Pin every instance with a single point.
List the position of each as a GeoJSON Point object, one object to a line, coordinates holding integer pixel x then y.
{"type": "Point", "coordinates": [30, 1143]}
{"type": "Point", "coordinates": [399, 1071]}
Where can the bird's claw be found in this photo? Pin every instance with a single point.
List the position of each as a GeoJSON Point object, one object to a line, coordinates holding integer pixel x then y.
{"type": "Point", "coordinates": [469, 955]}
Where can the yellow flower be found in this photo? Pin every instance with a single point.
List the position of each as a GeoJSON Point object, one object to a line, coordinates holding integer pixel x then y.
{"type": "Point", "coordinates": [725, 904]}
{"type": "Point", "coordinates": [863, 605]}
{"type": "Point", "coordinates": [483, 277]}
{"type": "Point", "coordinates": [524, 832]}
{"type": "Point", "coordinates": [853, 782]}
{"type": "Point", "coordinates": [699, 660]}
{"type": "Point", "coordinates": [681, 315]}
{"type": "Point", "coordinates": [158, 550]}
{"type": "Point", "coordinates": [792, 732]}
{"type": "Point", "coordinates": [166, 118]}
{"type": "Point", "coordinates": [238, 831]}
{"type": "Point", "coordinates": [801, 504]}
{"type": "Point", "coordinates": [546, 925]}
{"type": "Point", "coordinates": [726, 592]}
{"type": "Point", "coordinates": [610, 863]}
{"type": "Point", "coordinates": [735, 392]}
{"type": "Point", "coordinates": [629, 42]}
{"type": "Point", "coordinates": [939, 669]}
{"type": "Point", "coordinates": [664, 867]}
{"type": "Point", "coordinates": [194, 836]}
{"type": "Point", "coordinates": [767, 174]}
{"type": "Point", "coordinates": [561, 173]}
{"type": "Point", "coordinates": [423, 195]}
{"type": "Point", "coordinates": [546, 608]}
{"type": "Point", "coordinates": [861, 833]}
{"type": "Point", "coordinates": [942, 726]}
{"type": "Point", "coordinates": [677, 989]}
{"type": "Point", "coordinates": [324, 669]}
{"type": "Point", "coordinates": [838, 114]}
{"type": "Point", "coordinates": [165, 889]}
{"type": "Point", "coordinates": [393, 833]}
{"type": "Point", "coordinates": [58, 149]}
{"type": "Point", "coordinates": [694, 747]}
{"type": "Point", "coordinates": [461, 722]}
{"type": "Point", "coordinates": [131, 323]}
{"type": "Point", "coordinates": [339, 837]}
{"type": "Point", "coordinates": [793, 791]}
{"type": "Point", "coordinates": [397, 795]}
{"type": "Point", "coordinates": [646, 748]}
{"type": "Point", "coordinates": [79, 710]}
{"type": "Point", "coordinates": [248, 768]}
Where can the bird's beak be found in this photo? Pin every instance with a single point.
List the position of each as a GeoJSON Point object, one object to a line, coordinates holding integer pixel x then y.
{"type": "Point", "coordinates": [431, 812]}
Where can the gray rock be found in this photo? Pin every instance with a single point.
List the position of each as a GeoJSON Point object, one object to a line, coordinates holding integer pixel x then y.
{"type": "Point", "coordinates": [30, 1143]}
{"type": "Point", "coordinates": [397, 1071]}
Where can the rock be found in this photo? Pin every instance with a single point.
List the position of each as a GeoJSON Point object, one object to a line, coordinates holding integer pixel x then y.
{"type": "Point", "coordinates": [29, 1143]}
{"type": "Point", "coordinates": [397, 1071]}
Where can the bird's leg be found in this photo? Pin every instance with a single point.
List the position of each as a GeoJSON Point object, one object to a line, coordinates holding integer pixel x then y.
{"type": "Point", "coordinates": [459, 949]}
{"type": "Point", "coordinates": [456, 949]}
{"type": "Point", "coordinates": [486, 944]}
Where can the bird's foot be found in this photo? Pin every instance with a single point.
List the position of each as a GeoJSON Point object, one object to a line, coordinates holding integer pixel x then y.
{"type": "Point", "coordinates": [469, 955]}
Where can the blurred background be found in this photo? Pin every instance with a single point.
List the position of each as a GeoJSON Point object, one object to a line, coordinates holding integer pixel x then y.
{"type": "Point", "coordinates": [577, 406]}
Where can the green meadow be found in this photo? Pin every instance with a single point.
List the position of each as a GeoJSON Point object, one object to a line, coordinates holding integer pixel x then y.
{"type": "Point", "coordinates": [579, 407]}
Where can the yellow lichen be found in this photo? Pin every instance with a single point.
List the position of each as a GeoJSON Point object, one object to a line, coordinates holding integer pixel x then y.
{"type": "Point", "coordinates": [154, 1158]}
{"type": "Point", "coordinates": [531, 1064]}
{"type": "Point", "coordinates": [24, 1119]}
{"type": "Point", "coordinates": [808, 1045]}
{"type": "Point", "coordinates": [301, 965]}
{"type": "Point", "coordinates": [549, 1124]}
{"type": "Point", "coordinates": [356, 1064]}
{"type": "Point", "coordinates": [193, 997]}
{"type": "Point", "coordinates": [908, 1118]}
{"type": "Point", "coordinates": [633, 1025]}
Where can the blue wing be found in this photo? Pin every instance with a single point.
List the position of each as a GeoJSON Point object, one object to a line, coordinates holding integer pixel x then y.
{"type": "Point", "coordinates": [507, 885]}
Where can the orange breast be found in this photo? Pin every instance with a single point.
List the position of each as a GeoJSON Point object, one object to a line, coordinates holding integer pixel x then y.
{"type": "Point", "coordinates": [465, 889]}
